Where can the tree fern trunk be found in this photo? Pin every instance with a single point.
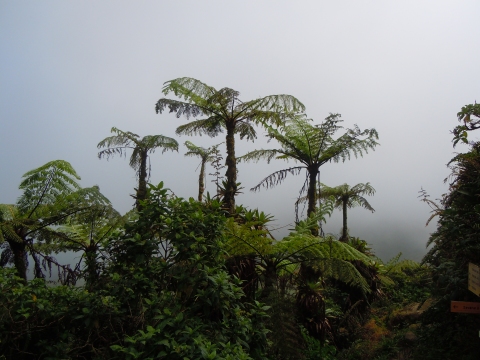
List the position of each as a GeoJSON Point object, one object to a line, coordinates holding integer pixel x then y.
{"type": "Point", "coordinates": [19, 255]}
{"type": "Point", "coordinates": [312, 190]}
{"type": "Point", "coordinates": [231, 174]}
{"type": "Point", "coordinates": [142, 181]}
{"type": "Point", "coordinates": [201, 181]}
{"type": "Point", "coordinates": [344, 237]}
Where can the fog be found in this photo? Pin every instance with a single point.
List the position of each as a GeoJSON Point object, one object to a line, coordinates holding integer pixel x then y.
{"type": "Point", "coordinates": [69, 71]}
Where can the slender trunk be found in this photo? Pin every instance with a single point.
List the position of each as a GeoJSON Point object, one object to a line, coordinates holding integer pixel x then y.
{"type": "Point", "coordinates": [201, 181]}
{"type": "Point", "coordinates": [312, 190]}
{"type": "Point", "coordinates": [231, 174]}
{"type": "Point", "coordinates": [270, 279]}
{"type": "Point", "coordinates": [91, 265]}
{"type": "Point", "coordinates": [142, 181]}
{"type": "Point", "coordinates": [344, 237]}
{"type": "Point", "coordinates": [19, 255]}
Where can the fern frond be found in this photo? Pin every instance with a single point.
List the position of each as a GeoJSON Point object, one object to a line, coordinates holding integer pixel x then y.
{"type": "Point", "coordinates": [344, 271]}
{"type": "Point", "coordinates": [211, 126]}
{"type": "Point", "coordinates": [277, 177]}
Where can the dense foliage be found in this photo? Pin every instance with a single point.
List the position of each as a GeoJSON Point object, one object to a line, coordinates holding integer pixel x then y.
{"type": "Point", "coordinates": [455, 244]}
{"type": "Point", "coordinates": [205, 279]}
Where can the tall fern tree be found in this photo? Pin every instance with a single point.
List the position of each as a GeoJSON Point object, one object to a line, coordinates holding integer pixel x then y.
{"type": "Point", "coordinates": [223, 110]}
{"type": "Point", "coordinates": [123, 141]}
{"type": "Point", "coordinates": [312, 146]}
{"type": "Point", "coordinates": [205, 155]}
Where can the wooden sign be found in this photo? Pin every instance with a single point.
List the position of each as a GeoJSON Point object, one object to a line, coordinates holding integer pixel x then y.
{"type": "Point", "coordinates": [465, 307]}
{"type": "Point", "coordinates": [474, 278]}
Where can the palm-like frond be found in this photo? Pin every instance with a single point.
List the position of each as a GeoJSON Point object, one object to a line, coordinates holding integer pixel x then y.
{"type": "Point", "coordinates": [188, 88]}
{"type": "Point", "coordinates": [126, 140]}
{"type": "Point", "coordinates": [277, 177]}
{"type": "Point", "coordinates": [258, 155]}
{"type": "Point", "coordinates": [344, 271]}
{"type": "Point", "coordinates": [246, 130]}
{"type": "Point", "coordinates": [211, 126]}
{"type": "Point", "coordinates": [351, 194]}
{"type": "Point", "coordinates": [205, 154]}
{"type": "Point", "coordinates": [44, 184]}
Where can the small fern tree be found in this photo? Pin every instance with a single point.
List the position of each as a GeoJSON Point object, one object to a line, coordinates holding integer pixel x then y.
{"type": "Point", "coordinates": [141, 147]}
{"type": "Point", "coordinates": [205, 155]}
{"type": "Point", "coordinates": [346, 197]}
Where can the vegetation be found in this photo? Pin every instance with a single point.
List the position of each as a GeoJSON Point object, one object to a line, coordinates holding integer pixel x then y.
{"type": "Point", "coordinates": [184, 279]}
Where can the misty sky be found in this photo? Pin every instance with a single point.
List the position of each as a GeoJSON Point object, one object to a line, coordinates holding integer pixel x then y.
{"type": "Point", "coordinates": [71, 70]}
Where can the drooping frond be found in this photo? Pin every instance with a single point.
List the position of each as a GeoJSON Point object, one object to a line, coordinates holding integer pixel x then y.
{"type": "Point", "coordinates": [118, 144]}
{"type": "Point", "coordinates": [344, 271]}
{"type": "Point", "coordinates": [152, 142]}
{"type": "Point", "coordinates": [277, 177]}
{"type": "Point", "coordinates": [351, 195]}
{"type": "Point", "coordinates": [246, 130]}
{"type": "Point", "coordinates": [257, 155]}
{"type": "Point", "coordinates": [179, 107]}
{"type": "Point", "coordinates": [204, 154]}
{"type": "Point", "coordinates": [211, 126]}
{"type": "Point", "coordinates": [281, 103]}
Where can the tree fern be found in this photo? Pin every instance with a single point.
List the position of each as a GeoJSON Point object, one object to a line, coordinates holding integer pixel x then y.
{"type": "Point", "coordinates": [312, 146]}
{"type": "Point", "coordinates": [222, 109]}
{"type": "Point", "coordinates": [124, 141]}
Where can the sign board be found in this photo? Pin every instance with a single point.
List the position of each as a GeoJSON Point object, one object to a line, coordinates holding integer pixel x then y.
{"type": "Point", "coordinates": [465, 307]}
{"type": "Point", "coordinates": [474, 278]}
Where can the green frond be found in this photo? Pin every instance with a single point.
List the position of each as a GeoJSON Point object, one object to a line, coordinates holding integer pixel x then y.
{"type": "Point", "coordinates": [190, 89]}
{"type": "Point", "coordinates": [123, 138]}
{"type": "Point", "coordinates": [180, 108]}
{"type": "Point", "coordinates": [204, 154]}
{"type": "Point", "coordinates": [351, 195]}
{"type": "Point", "coordinates": [281, 103]}
{"type": "Point", "coordinates": [344, 271]}
{"type": "Point", "coordinates": [396, 266]}
{"type": "Point", "coordinates": [152, 142]}
{"type": "Point", "coordinates": [277, 177]}
{"type": "Point", "coordinates": [257, 155]}
{"type": "Point", "coordinates": [118, 145]}
{"type": "Point", "coordinates": [243, 240]}
{"type": "Point", "coordinates": [245, 130]}
{"type": "Point", "coordinates": [43, 185]}
{"type": "Point", "coordinates": [211, 126]}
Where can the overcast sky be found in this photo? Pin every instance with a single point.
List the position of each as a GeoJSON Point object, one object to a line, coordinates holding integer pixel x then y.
{"type": "Point", "coordinates": [71, 70]}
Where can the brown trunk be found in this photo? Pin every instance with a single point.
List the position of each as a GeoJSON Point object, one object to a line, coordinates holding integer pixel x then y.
{"type": "Point", "coordinates": [19, 254]}
{"type": "Point", "coordinates": [344, 237]}
{"type": "Point", "coordinates": [201, 182]}
{"type": "Point", "coordinates": [142, 181]}
{"type": "Point", "coordinates": [312, 190]}
{"type": "Point", "coordinates": [91, 265]}
{"type": "Point", "coordinates": [270, 279]}
{"type": "Point", "coordinates": [231, 174]}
